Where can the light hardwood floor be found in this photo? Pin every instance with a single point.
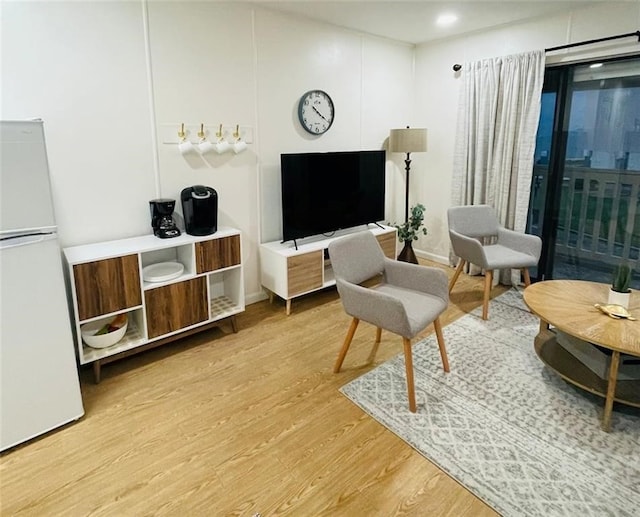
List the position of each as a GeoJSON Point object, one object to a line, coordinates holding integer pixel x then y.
{"type": "Point", "coordinates": [238, 424]}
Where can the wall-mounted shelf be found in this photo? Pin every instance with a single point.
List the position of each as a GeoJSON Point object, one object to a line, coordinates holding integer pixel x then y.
{"type": "Point", "coordinates": [169, 132]}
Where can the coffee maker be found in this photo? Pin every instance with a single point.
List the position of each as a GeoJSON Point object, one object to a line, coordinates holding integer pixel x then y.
{"type": "Point", "coordinates": [200, 210]}
{"type": "Point", "coordinates": [162, 220]}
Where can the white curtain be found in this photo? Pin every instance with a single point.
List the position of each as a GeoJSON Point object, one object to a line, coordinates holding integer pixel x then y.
{"type": "Point", "coordinates": [498, 117]}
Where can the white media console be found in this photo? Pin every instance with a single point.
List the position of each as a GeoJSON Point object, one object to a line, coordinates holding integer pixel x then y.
{"type": "Point", "coordinates": [290, 271]}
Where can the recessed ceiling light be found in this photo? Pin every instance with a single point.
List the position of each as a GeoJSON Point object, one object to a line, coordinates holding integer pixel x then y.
{"type": "Point", "coordinates": [595, 65]}
{"type": "Point", "coordinates": [446, 19]}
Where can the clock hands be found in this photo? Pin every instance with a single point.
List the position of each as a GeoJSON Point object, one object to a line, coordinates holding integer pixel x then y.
{"type": "Point", "coordinates": [316, 110]}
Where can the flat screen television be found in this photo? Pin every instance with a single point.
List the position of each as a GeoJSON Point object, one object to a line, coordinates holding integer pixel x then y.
{"type": "Point", "coordinates": [325, 192]}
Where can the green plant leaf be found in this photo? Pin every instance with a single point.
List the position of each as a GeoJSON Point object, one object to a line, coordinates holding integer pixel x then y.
{"type": "Point", "coordinates": [409, 230]}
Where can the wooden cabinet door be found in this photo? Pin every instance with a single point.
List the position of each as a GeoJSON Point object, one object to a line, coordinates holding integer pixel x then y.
{"type": "Point", "coordinates": [176, 306]}
{"type": "Point", "coordinates": [217, 253]}
{"type": "Point", "coordinates": [304, 272]}
{"type": "Point", "coordinates": [388, 244]}
{"type": "Point", "coordinates": [106, 286]}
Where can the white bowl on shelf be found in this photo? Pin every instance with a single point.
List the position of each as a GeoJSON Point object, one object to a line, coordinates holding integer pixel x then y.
{"type": "Point", "coordinates": [88, 331]}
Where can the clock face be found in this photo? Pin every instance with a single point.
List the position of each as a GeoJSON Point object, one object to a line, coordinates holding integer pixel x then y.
{"type": "Point", "coordinates": [315, 112]}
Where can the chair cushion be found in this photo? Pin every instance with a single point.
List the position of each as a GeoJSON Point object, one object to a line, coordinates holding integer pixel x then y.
{"type": "Point", "coordinates": [421, 308]}
{"type": "Point", "coordinates": [501, 257]}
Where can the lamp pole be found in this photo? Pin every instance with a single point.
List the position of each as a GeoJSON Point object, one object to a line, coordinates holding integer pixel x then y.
{"type": "Point", "coordinates": [407, 164]}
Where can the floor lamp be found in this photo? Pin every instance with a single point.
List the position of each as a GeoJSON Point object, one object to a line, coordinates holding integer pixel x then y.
{"type": "Point", "coordinates": [407, 140]}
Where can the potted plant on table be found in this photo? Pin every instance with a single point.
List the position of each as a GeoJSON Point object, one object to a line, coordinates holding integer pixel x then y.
{"type": "Point", "coordinates": [408, 232]}
{"type": "Point", "coordinates": [620, 293]}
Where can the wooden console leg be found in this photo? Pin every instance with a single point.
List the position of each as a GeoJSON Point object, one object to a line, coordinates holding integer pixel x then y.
{"type": "Point", "coordinates": [97, 371]}
{"type": "Point", "coordinates": [234, 324]}
{"type": "Point", "coordinates": [288, 306]}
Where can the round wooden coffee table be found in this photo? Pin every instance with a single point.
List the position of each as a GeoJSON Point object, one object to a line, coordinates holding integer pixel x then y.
{"type": "Point", "coordinates": [568, 305]}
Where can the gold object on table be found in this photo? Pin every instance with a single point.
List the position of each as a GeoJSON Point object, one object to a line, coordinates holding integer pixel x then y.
{"type": "Point", "coordinates": [615, 311]}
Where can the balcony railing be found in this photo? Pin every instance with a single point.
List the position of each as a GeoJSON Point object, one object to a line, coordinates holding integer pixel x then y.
{"type": "Point", "coordinates": [599, 219]}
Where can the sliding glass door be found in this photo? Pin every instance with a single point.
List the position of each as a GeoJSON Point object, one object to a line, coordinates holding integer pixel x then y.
{"type": "Point", "coordinates": [585, 190]}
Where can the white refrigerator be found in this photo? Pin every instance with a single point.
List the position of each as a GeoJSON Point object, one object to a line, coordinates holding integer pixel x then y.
{"type": "Point", "coordinates": [39, 385]}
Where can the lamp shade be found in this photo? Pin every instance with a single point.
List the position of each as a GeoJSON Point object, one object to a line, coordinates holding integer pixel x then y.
{"type": "Point", "coordinates": [408, 140]}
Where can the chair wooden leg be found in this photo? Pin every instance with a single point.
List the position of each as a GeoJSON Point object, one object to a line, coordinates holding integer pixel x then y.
{"type": "Point", "coordinates": [456, 274]}
{"type": "Point", "coordinates": [345, 346]}
{"type": "Point", "coordinates": [488, 280]}
{"type": "Point", "coordinates": [408, 363]}
{"type": "Point", "coordinates": [527, 278]}
{"type": "Point", "coordinates": [443, 351]}
{"type": "Point", "coordinates": [374, 348]}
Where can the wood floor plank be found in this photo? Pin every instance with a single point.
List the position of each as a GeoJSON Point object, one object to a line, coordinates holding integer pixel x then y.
{"type": "Point", "coordinates": [224, 423]}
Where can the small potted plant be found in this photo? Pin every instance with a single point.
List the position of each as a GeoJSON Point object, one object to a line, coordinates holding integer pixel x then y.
{"type": "Point", "coordinates": [620, 293]}
{"type": "Point", "coordinates": [409, 231]}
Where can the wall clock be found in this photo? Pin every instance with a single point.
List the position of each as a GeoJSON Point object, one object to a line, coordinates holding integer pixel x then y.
{"type": "Point", "coordinates": [315, 111]}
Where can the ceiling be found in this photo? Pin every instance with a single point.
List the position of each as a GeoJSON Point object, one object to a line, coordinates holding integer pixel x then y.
{"type": "Point", "coordinates": [414, 21]}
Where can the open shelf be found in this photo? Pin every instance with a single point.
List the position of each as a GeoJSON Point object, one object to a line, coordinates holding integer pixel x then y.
{"type": "Point", "coordinates": [133, 338]}
{"type": "Point", "coordinates": [222, 307]}
{"type": "Point", "coordinates": [577, 373]}
{"type": "Point", "coordinates": [224, 297]}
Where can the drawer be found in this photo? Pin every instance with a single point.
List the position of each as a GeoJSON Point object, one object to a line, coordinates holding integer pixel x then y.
{"type": "Point", "coordinates": [217, 254]}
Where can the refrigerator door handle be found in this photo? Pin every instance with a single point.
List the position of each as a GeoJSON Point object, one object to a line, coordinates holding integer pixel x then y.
{"type": "Point", "coordinates": [25, 240]}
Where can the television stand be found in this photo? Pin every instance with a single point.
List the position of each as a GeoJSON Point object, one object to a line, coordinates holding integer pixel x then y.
{"type": "Point", "coordinates": [292, 270]}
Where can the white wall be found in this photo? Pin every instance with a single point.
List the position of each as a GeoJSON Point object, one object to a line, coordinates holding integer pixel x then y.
{"type": "Point", "coordinates": [202, 58]}
{"type": "Point", "coordinates": [438, 90]}
{"type": "Point", "coordinates": [114, 80]}
{"type": "Point", "coordinates": [363, 75]}
{"type": "Point", "coordinates": [81, 68]}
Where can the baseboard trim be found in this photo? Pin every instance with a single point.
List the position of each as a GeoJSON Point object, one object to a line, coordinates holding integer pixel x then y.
{"type": "Point", "coordinates": [432, 256]}
{"type": "Point", "coordinates": [255, 297]}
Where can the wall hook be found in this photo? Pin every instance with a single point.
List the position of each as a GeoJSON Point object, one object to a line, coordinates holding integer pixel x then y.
{"type": "Point", "coordinates": [221, 145]}
{"type": "Point", "coordinates": [181, 133]}
{"type": "Point", "coordinates": [239, 145]}
{"type": "Point", "coordinates": [184, 145]}
{"type": "Point", "coordinates": [204, 146]}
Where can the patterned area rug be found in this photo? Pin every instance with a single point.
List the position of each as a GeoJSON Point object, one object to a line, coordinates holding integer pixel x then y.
{"type": "Point", "coordinates": [505, 426]}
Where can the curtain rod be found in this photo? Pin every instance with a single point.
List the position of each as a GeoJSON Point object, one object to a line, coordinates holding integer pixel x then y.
{"type": "Point", "coordinates": [457, 67]}
{"type": "Point", "coordinates": [591, 41]}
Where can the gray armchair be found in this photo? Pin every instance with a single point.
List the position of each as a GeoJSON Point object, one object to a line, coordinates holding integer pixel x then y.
{"type": "Point", "coordinates": [407, 299]}
{"type": "Point", "coordinates": [469, 226]}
